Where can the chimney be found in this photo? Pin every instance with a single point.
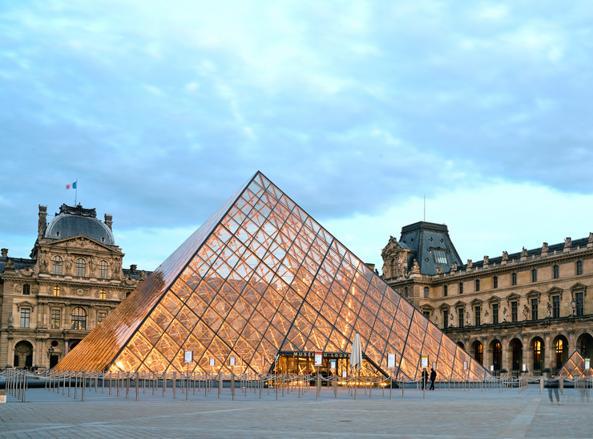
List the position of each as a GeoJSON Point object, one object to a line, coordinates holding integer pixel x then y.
{"type": "Point", "coordinates": [42, 222]}
{"type": "Point", "coordinates": [567, 244]}
{"type": "Point", "coordinates": [4, 252]}
{"type": "Point", "coordinates": [133, 268]}
{"type": "Point", "coordinates": [544, 249]}
{"type": "Point", "coordinates": [108, 220]}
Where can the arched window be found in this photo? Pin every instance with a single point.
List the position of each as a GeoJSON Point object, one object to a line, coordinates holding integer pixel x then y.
{"type": "Point", "coordinates": [102, 295]}
{"type": "Point", "coordinates": [537, 346]}
{"type": "Point", "coordinates": [478, 349]}
{"type": "Point", "coordinates": [561, 351]}
{"type": "Point", "coordinates": [496, 349]}
{"type": "Point", "coordinates": [58, 265]}
{"type": "Point", "coordinates": [579, 267]}
{"type": "Point", "coordinates": [78, 317]}
{"type": "Point", "coordinates": [555, 271]}
{"type": "Point", "coordinates": [103, 270]}
{"type": "Point", "coordinates": [80, 267]}
{"type": "Point", "coordinates": [26, 289]}
{"type": "Point", "coordinates": [55, 291]}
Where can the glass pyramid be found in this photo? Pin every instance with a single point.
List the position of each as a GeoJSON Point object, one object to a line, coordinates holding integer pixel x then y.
{"type": "Point", "coordinates": [262, 277]}
{"type": "Point", "coordinates": [575, 367]}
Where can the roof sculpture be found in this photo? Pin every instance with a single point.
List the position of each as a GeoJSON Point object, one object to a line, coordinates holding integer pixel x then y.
{"type": "Point", "coordinates": [260, 277]}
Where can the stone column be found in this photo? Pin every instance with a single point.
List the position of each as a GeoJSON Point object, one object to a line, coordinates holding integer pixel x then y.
{"type": "Point", "coordinates": [488, 358]}
{"type": "Point", "coordinates": [549, 349]}
{"type": "Point", "coordinates": [507, 354]}
{"type": "Point", "coordinates": [527, 354]}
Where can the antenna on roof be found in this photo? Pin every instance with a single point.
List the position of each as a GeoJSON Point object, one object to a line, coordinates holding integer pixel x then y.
{"type": "Point", "coordinates": [424, 207]}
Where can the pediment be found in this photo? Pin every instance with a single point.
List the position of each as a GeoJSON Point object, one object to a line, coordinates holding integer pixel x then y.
{"type": "Point", "coordinates": [83, 243]}
{"type": "Point", "coordinates": [513, 296]}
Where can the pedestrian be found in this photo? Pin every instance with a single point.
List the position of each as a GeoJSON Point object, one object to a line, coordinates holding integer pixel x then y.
{"type": "Point", "coordinates": [424, 378]}
{"type": "Point", "coordinates": [552, 385]}
{"type": "Point", "coordinates": [433, 377]}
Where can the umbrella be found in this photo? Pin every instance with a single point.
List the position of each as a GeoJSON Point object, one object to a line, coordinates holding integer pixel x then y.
{"type": "Point", "coordinates": [356, 353]}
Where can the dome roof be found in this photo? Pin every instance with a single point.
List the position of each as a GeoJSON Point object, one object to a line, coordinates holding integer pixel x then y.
{"type": "Point", "coordinates": [76, 221]}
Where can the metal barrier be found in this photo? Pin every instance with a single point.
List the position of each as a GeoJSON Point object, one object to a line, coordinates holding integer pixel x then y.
{"type": "Point", "coordinates": [81, 386]}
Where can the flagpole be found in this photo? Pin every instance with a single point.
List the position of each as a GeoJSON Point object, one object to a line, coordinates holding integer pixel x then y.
{"type": "Point", "coordinates": [76, 192]}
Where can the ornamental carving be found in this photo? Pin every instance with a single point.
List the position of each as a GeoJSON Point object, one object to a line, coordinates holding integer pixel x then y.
{"type": "Point", "coordinates": [395, 260]}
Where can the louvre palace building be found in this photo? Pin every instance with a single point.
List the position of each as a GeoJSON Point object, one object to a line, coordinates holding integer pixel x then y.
{"type": "Point", "coordinates": [520, 312]}
{"type": "Point", "coordinates": [69, 284]}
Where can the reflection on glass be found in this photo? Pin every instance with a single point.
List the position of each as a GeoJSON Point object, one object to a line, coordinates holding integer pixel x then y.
{"type": "Point", "coordinates": [261, 281]}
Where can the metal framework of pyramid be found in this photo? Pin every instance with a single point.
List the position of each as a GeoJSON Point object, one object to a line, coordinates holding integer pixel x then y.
{"type": "Point", "coordinates": [575, 367]}
{"type": "Point", "coordinates": [261, 277]}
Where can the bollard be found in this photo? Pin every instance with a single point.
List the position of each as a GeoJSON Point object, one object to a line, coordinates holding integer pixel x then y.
{"type": "Point", "coordinates": [82, 387]}
{"type": "Point", "coordinates": [174, 385]}
{"type": "Point", "coordinates": [233, 386]}
{"type": "Point", "coordinates": [219, 384]}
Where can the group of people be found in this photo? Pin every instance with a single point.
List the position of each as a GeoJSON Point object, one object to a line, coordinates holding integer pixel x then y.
{"type": "Point", "coordinates": [425, 377]}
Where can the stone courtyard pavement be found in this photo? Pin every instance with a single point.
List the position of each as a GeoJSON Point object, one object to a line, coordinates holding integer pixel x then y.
{"type": "Point", "coordinates": [444, 413]}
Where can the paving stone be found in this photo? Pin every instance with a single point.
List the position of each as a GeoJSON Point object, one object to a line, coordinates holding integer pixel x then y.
{"type": "Point", "coordinates": [443, 413]}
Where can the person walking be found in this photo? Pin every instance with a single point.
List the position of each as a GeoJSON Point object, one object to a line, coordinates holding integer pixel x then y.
{"type": "Point", "coordinates": [433, 377]}
{"type": "Point", "coordinates": [424, 378]}
{"type": "Point", "coordinates": [553, 385]}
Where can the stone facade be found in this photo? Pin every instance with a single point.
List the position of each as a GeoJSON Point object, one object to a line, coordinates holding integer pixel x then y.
{"type": "Point", "coordinates": [71, 281]}
{"type": "Point", "coordinates": [526, 311]}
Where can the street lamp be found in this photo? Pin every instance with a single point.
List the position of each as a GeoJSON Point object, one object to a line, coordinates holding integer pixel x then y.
{"type": "Point", "coordinates": [50, 351]}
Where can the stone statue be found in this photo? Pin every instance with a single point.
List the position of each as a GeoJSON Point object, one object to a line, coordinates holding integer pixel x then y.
{"type": "Point", "coordinates": [504, 314]}
{"type": "Point", "coordinates": [573, 305]}
{"type": "Point", "coordinates": [549, 310]}
{"type": "Point", "coordinates": [525, 312]}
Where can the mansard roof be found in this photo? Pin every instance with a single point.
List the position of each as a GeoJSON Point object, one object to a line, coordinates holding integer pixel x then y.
{"type": "Point", "coordinates": [431, 246]}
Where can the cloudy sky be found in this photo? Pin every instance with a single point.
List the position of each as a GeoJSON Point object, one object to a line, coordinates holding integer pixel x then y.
{"type": "Point", "coordinates": [358, 110]}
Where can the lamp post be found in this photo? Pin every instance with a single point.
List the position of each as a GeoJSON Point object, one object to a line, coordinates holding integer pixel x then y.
{"type": "Point", "coordinates": [50, 351]}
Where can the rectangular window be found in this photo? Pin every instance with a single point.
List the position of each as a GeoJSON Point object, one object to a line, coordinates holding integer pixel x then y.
{"type": "Point", "coordinates": [56, 318]}
{"type": "Point", "coordinates": [514, 310]}
{"type": "Point", "coordinates": [513, 278]}
{"type": "Point", "coordinates": [25, 317]}
{"type": "Point", "coordinates": [445, 290]}
{"type": "Point", "coordinates": [426, 292]}
{"type": "Point", "coordinates": [579, 268]}
{"type": "Point", "coordinates": [439, 256]}
{"type": "Point", "coordinates": [460, 287]}
{"type": "Point", "coordinates": [555, 307]}
{"type": "Point", "coordinates": [495, 282]}
{"type": "Point", "coordinates": [579, 303]}
{"type": "Point", "coordinates": [534, 275]}
{"type": "Point", "coordinates": [555, 271]}
{"type": "Point", "coordinates": [477, 285]}
{"type": "Point", "coordinates": [460, 316]}
{"type": "Point", "coordinates": [477, 315]}
{"type": "Point", "coordinates": [534, 306]}
{"type": "Point", "coordinates": [495, 313]}
{"type": "Point", "coordinates": [445, 319]}
{"type": "Point", "coordinates": [26, 290]}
